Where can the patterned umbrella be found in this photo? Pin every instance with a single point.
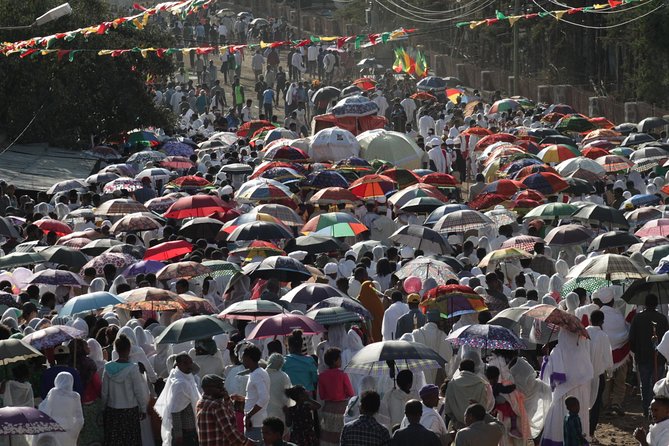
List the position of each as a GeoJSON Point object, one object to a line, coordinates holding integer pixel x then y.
{"type": "Point", "coordinates": [218, 268]}
{"type": "Point", "coordinates": [76, 243]}
{"type": "Point", "coordinates": [486, 201]}
{"type": "Point", "coordinates": [251, 310]}
{"type": "Point", "coordinates": [462, 221]}
{"type": "Point", "coordinates": [332, 316]}
{"type": "Point", "coordinates": [88, 302]}
{"type": "Point", "coordinates": [326, 179]}
{"type": "Point", "coordinates": [425, 268]}
{"type": "Point", "coordinates": [195, 206]}
{"type": "Point", "coordinates": [197, 305]}
{"type": "Point", "coordinates": [122, 170]}
{"type": "Point", "coordinates": [420, 237]}
{"type": "Point", "coordinates": [568, 235]}
{"type": "Point", "coordinates": [284, 214]}
{"type": "Point", "coordinates": [383, 358]}
{"type": "Point", "coordinates": [355, 106]}
{"type": "Point", "coordinates": [57, 277]}
{"type": "Point", "coordinates": [545, 182]}
{"type": "Point", "coordinates": [120, 206]}
{"type": "Point", "coordinates": [560, 318]}
{"type": "Point", "coordinates": [614, 163]}
{"type": "Point", "coordinates": [284, 175]}
{"type": "Point", "coordinates": [659, 227]}
{"type": "Point", "coordinates": [176, 148]}
{"type": "Point", "coordinates": [176, 162]}
{"type": "Point", "coordinates": [102, 177]}
{"type": "Point", "coordinates": [283, 324]}
{"type": "Point", "coordinates": [488, 337]}
{"type": "Point", "coordinates": [590, 284]}
{"type": "Point", "coordinates": [550, 211]}
{"type": "Point", "coordinates": [504, 105]}
{"type": "Point", "coordinates": [524, 242]}
{"type": "Point", "coordinates": [146, 156]}
{"type": "Point", "coordinates": [66, 186]}
{"type": "Point", "coordinates": [503, 187]}
{"type": "Point", "coordinates": [372, 186]}
{"type": "Point", "coordinates": [181, 270]}
{"type": "Point", "coordinates": [282, 268]}
{"type": "Point", "coordinates": [609, 267]}
{"type": "Point", "coordinates": [502, 216]}
{"type": "Point", "coordinates": [151, 299]}
{"type": "Point", "coordinates": [334, 195]}
{"type": "Point", "coordinates": [26, 421]}
{"type": "Point", "coordinates": [53, 336]}
{"type": "Point", "coordinates": [353, 163]}
{"type": "Point", "coordinates": [403, 177]}
{"type": "Point", "coordinates": [336, 224]}
{"type": "Point", "coordinates": [122, 183]}
{"type": "Point", "coordinates": [120, 261]}
{"type": "Point", "coordinates": [143, 267]}
{"type": "Point", "coordinates": [503, 254]}
{"type": "Point", "coordinates": [259, 248]}
{"type": "Point", "coordinates": [191, 181]}
{"type": "Point", "coordinates": [134, 222]}
{"type": "Point", "coordinates": [603, 215]}
{"type": "Point", "coordinates": [104, 152]}
{"type": "Point", "coordinates": [160, 204]}
{"type": "Point", "coordinates": [263, 193]}
{"type": "Point", "coordinates": [168, 250]}
{"type": "Point", "coordinates": [443, 210]}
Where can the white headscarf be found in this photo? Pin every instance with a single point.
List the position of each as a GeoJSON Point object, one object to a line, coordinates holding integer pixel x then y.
{"type": "Point", "coordinates": [180, 391]}
{"type": "Point", "coordinates": [95, 353]}
{"type": "Point", "coordinates": [118, 281]}
{"type": "Point", "coordinates": [542, 284]}
{"type": "Point", "coordinates": [64, 406]}
{"type": "Point", "coordinates": [97, 284]}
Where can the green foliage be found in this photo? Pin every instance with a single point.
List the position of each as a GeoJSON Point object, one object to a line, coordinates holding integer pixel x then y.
{"type": "Point", "coordinates": [92, 94]}
{"type": "Point", "coordinates": [353, 12]}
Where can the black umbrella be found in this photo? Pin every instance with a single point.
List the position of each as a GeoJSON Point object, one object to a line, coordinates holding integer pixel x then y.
{"type": "Point", "coordinates": [651, 123]}
{"type": "Point", "coordinates": [259, 230]}
{"type": "Point", "coordinates": [64, 255]}
{"type": "Point", "coordinates": [350, 91]}
{"type": "Point", "coordinates": [422, 205]}
{"type": "Point", "coordinates": [381, 358]}
{"type": "Point", "coordinates": [626, 128]}
{"type": "Point", "coordinates": [97, 247]}
{"type": "Point", "coordinates": [20, 259]}
{"type": "Point", "coordinates": [420, 237]}
{"type": "Point", "coordinates": [634, 139]}
{"type": "Point", "coordinates": [612, 239]}
{"type": "Point", "coordinates": [452, 81]}
{"type": "Point", "coordinates": [8, 229]}
{"type": "Point", "coordinates": [282, 268]}
{"type": "Point", "coordinates": [640, 288]}
{"type": "Point", "coordinates": [193, 328]}
{"type": "Point", "coordinates": [315, 244]}
{"type": "Point", "coordinates": [542, 133]}
{"type": "Point", "coordinates": [558, 139]}
{"type": "Point", "coordinates": [578, 186]}
{"type": "Point", "coordinates": [602, 214]}
{"type": "Point", "coordinates": [311, 293]}
{"type": "Point", "coordinates": [201, 227]}
{"type": "Point", "coordinates": [326, 94]}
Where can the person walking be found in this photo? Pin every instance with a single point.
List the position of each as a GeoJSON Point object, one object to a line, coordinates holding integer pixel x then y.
{"type": "Point", "coordinates": [64, 406]}
{"type": "Point", "coordinates": [334, 388]}
{"type": "Point", "coordinates": [366, 431]}
{"type": "Point", "coordinates": [215, 416]}
{"type": "Point", "coordinates": [257, 393]}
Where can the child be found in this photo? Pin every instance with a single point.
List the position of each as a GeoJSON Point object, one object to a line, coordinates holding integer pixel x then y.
{"type": "Point", "coordinates": [502, 405]}
{"type": "Point", "coordinates": [302, 417]}
{"type": "Point", "coordinates": [573, 431]}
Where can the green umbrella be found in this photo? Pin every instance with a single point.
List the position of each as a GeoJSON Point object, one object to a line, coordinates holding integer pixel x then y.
{"type": "Point", "coordinates": [550, 211]}
{"type": "Point", "coordinates": [219, 268]}
{"type": "Point", "coordinates": [575, 123]}
{"type": "Point", "coordinates": [14, 350]}
{"type": "Point", "coordinates": [590, 284]}
{"type": "Point", "coordinates": [655, 254]}
{"type": "Point", "coordinates": [193, 328]}
{"type": "Point", "coordinates": [20, 259]}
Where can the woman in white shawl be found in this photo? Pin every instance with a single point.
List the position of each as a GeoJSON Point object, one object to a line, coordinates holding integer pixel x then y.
{"type": "Point", "coordinates": [143, 341]}
{"type": "Point", "coordinates": [95, 353]}
{"type": "Point", "coordinates": [137, 354]}
{"type": "Point", "coordinates": [568, 370]}
{"type": "Point", "coordinates": [278, 383]}
{"type": "Point", "coordinates": [64, 406]}
{"type": "Point", "coordinates": [18, 392]}
{"type": "Point", "coordinates": [537, 394]}
{"type": "Point", "coordinates": [97, 284]}
{"type": "Point", "coordinates": [662, 386]}
{"type": "Point", "coordinates": [352, 345]}
{"type": "Point", "coordinates": [117, 281]}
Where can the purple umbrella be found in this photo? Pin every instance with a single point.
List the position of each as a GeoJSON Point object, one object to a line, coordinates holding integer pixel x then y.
{"type": "Point", "coordinates": [57, 277]}
{"type": "Point", "coordinates": [175, 148]}
{"type": "Point", "coordinates": [490, 337]}
{"type": "Point", "coordinates": [283, 324]}
{"type": "Point", "coordinates": [143, 267]}
{"type": "Point", "coordinates": [52, 336]}
{"type": "Point", "coordinates": [26, 421]}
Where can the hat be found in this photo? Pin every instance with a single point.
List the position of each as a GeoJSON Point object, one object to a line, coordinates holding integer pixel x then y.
{"type": "Point", "coordinates": [298, 255]}
{"type": "Point", "coordinates": [330, 268]}
{"type": "Point", "coordinates": [406, 252]}
{"type": "Point", "coordinates": [226, 190]}
{"type": "Point", "coordinates": [428, 390]}
{"type": "Point", "coordinates": [604, 294]}
{"type": "Point", "coordinates": [413, 298]}
{"type": "Point", "coordinates": [351, 253]}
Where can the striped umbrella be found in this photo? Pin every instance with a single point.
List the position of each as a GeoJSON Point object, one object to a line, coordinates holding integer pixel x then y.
{"type": "Point", "coordinates": [608, 266]}
{"type": "Point", "coordinates": [336, 224]}
{"type": "Point", "coordinates": [462, 221]}
{"type": "Point", "coordinates": [614, 163]}
{"type": "Point", "coordinates": [453, 300]}
{"type": "Point", "coordinates": [386, 357]}
{"type": "Point", "coordinates": [556, 153]}
{"type": "Point", "coordinates": [524, 242]}
{"type": "Point", "coordinates": [334, 195]}
{"type": "Point", "coordinates": [550, 211]}
{"type": "Point", "coordinates": [372, 186]}
{"type": "Point", "coordinates": [503, 187]}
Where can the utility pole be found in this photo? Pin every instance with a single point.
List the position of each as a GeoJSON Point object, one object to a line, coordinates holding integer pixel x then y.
{"type": "Point", "coordinates": [516, 11]}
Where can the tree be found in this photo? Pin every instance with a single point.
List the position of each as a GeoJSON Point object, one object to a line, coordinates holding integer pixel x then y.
{"type": "Point", "coordinates": [90, 95]}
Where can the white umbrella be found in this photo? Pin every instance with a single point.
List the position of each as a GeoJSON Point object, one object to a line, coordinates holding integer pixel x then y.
{"type": "Point", "coordinates": [333, 144]}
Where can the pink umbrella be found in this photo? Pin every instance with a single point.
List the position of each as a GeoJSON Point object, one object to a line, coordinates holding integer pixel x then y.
{"type": "Point", "coordinates": [283, 325]}
{"type": "Point", "coordinates": [659, 227]}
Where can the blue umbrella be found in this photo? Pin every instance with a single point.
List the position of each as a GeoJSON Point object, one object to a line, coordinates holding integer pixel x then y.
{"type": "Point", "coordinates": [89, 302]}
{"type": "Point", "coordinates": [175, 148]}
{"type": "Point", "coordinates": [431, 83]}
{"type": "Point", "coordinates": [641, 200]}
{"type": "Point", "coordinates": [143, 267]}
{"type": "Point", "coordinates": [326, 178]}
{"type": "Point", "coordinates": [515, 166]}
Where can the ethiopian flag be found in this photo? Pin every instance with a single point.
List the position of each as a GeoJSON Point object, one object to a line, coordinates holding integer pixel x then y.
{"type": "Point", "coordinates": [421, 64]}
{"type": "Point", "coordinates": [403, 62]}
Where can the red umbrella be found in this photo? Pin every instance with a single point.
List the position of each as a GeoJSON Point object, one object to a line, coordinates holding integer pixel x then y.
{"type": "Point", "coordinates": [191, 181]}
{"type": "Point", "coordinates": [176, 162]}
{"type": "Point", "coordinates": [504, 187]}
{"type": "Point", "coordinates": [439, 179]}
{"type": "Point", "coordinates": [602, 123]}
{"type": "Point", "coordinates": [299, 168]}
{"type": "Point", "coordinates": [249, 128]}
{"type": "Point", "coordinates": [594, 152]}
{"type": "Point", "coordinates": [492, 139]}
{"type": "Point", "coordinates": [372, 186]}
{"type": "Point", "coordinates": [525, 204]}
{"type": "Point", "coordinates": [168, 250]}
{"type": "Point", "coordinates": [334, 195]}
{"type": "Point", "coordinates": [423, 96]}
{"type": "Point", "coordinates": [226, 215]}
{"type": "Point", "coordinates": [365, 83]}
{"type": "Point", "coordinates": [486, 201]}
{"type": "Point", "coordinates": [195, 206]}
{"type": "Point", "coordinates": [283, 325]}
{"type": "Point", "coordinates": [478, 131]}
{"type": "Point", "coordinates": [529, 170]}
{"type": "Point", "coordinates": [50, 225]}
{"type": "Point", "coordinates": [530, 194]}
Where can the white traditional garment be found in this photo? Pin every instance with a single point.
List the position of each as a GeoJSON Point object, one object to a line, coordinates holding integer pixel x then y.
{"type": "Point", "coordinates": [18, 394]}
{"type": "Point", "coordinates": [662, 386]}
{"type": "Point", "coordinates": [64, 406]}
{"type": "Point", "coordinates": [97, 284]}
{"type": "Point", "coordinates": [430, 335]}
{"type": "Point", "coordinates": [119, 280]}
{"type": "Point", "coordinates": [537, 394]}
{"type": "Point", "coordinates": [568, 370]}
{"type": "Point", "coordinates": [143, 341]}
{"type": "Point", "coordinates": [352, 345]}
{"type": "Point", "coordinates": [601, 356]}
{"type": "Point", "coordinates": [279, 381]}
{"type": "Point", "coordinates": [617, 329]}
{"type": "Point", "coordinates": [95, 353]}
{"type": "Point", "coordinates": [137, 354]}
{"type": "Point", "coordinates": [658, 435]}
{"type": "Point", "coordinates": [180, 391]}
{"type": "Point", "coordinates": [390, 317]}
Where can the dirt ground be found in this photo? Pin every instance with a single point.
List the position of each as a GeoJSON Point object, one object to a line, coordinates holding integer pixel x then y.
{"type": "Point", "coordinates": [616, 430]}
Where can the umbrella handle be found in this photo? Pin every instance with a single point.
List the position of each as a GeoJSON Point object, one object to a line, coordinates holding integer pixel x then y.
{"type": "Point", "coordinates": [391, 366]}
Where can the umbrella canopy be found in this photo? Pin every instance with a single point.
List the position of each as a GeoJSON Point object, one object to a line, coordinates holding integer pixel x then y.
{"type": "Point", "coordinates": [547, 183]}
{"type": "Point", "coordinates": [336, 224]}
{"type": "Point", "coordinates": [453, 300]}
{"type": "Point", "coordinates": [443, 210]}
{"type": "Point", "coordinates": [192, 329]}
{"type": "Point", "coordinates": [425, 268]}
{"type": "Point", "coordinates": [648, 124]}
{"type": "Point", "coordinates": [657, 285]}
{"type": "Point", "coordinates": [420, 237]}
{"type": "Point", "coordinates": [332, 316]}
{"type": "Point", "coordinates": [311, 293]}
{"type": "Point", "coordinates": [344, 302]}
{"type": "Point", "coordinates": [525, 242]}
{"type": "Point", "coordinates": [134, 222]}
{"type": "Point", "coordinates": [326, 94]}
{"type": "Point", "coordinates": [53, 336]}
{"type": "Point", "coordinates": [462, 221]}
{"type": "Point", "coordinates": [382, 358]}
{"type": "Point", "coordinates": [556, 153]}
{"type": "Point", "coordinates": [287, 154]}
{"type": "Point", "coordinates": [355, 106]}
{"type": "Point", "coordinates": [120, 206]}
{"type": "Point", "coordinates": [659, 227]}
{"type": "Point", "coordinates": [502, 255]}
{"type": "Point", "coordinates": [568, 235]}
{"type": "Point", "coordinates": [326, 178]}
{"type": "Point", "coordinates": [26, 421]}
{"type": "Point", "coordinates": [283, 325]}
{"type": "Point", "coordinates": [422, 205]}
{"type": "Point", "coordinates": [195, 206]}
{"type": "Point", "coordinates": [282, 268]}
{"type": "Point", "coordinates": [550, 211]}
{"type": "Point", "coordinates": [99, 246]}
{"type": "Point", "coordinates": [181, 270]}
{"type": "Point", "coordinates": [575, 123]}
{"type": "Point", "coordinates": [57, 277]}
{"type": "Point", "coordinates": [201, 227]}
{"type": "Point", "coordinates": [14, 350]}
{"type": "Point", "coordinates": [64, 255]}
{"type": "Point", "coordinates": [612, 239]}
{"type": "Point", "coordinates": [431, 83]}
{"type": "Point", "coordinates": [314, 244]}
{"type": "Point", "coordinates": [608, 267]}
{"type": "Point", "coordinates": [614, 163]}
{"type": "Point", "coordinates": [50, 225]}
{"type": "Point", "coordinates": [284, 214]}
{"type": "Point", "coordinates": [372, 186]}
{"type": "Point", "coordinates": [259, 230]}
{"type": "Point", "coordinates": [578, 186]}
{"type": "Point", "coordinates": [560, 318]}
{"type": "Point", "coordinates": [89, 302]}
{"type": "Point", "coordinates": [66, 186]}
{"type": "Point", "coordinates": [334, 195]}
{"type": "Point", "coordinates": [395, 147]}
{"type": "Point", "coordinates": [488, 337]}
{"type": "Point", "coordinates": [601, 214]}
{"type": "Point", "coordinates": [635, 139]}
{"type": "Point", "coordinates": [168, 250]}
{"type": "Point", "coordinates": [504, 105]}
{"type": "Point", "coordinates": [152, 299]}
{"type": "Point", "coordinates": [251, 310]}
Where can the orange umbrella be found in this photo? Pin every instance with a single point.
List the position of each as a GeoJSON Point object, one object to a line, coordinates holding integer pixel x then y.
{"type": "Point", "coordinates": [372, 186]}
{"type": "Point", "coordinates": [602, 123]}
{"type": "Point", "coordinates": [453, 93]}
{"type": "Point", "coordinates": [478, 131]}
{"type": "Point", "coordinates": [423, 96]}
{"type": "Point", "coordinates": [365, 83]}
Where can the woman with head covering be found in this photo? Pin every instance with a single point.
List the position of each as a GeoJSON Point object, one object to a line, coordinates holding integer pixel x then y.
{"type": "Point", "coordinates": [137, 355]}
{"type": "Point", "coordinates": [542, 284]}
{"type": "Point", "coordinates": [368, 383]}
{"type": "Point", "coordinates": [536, 393]}
{"type": "Point", "coordinates": [97, 284]}
{"type": "Point", "coordinates": [95, 353]}
{"type": "Point", "coordinates": [64, 406]}
{"type": "Point", "coordinates": [143, 341]}
{"type": "Point", "coordinates": [572, 302]}
{"type": "Point", "coordinates": [568, 370]}
{"type": "Point", "coordinates": [207, 357]}
{"type": "Point", "coordinates": [278, 383]}
{"type": "Point", "coordinates": [352, 345]}
{"type": "Point", "coordinates": [117, 281]}
{"type": "Point", "coordinates": [18, 392]}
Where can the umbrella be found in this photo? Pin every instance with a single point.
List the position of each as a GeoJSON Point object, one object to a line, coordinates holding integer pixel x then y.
{"type": "Point", "coordinates": [53, 336]}
{"type": "Point", "coordinates": [17, 259]}
{"type": "Point", "coordinates": [423, 96]}
{"type": "Point", "coordinates": [160, 204]}
{"type": "Point", "coordinates": [284, 214]}
{"type": "Point", "coordinates": [556, 153]}
{"type": "Point", "coordinates": [488, 337]}
{"type": "Point", "coordinates": [614, 163]}
{"type": "Point", "coordinates": [550, 211]}
{"type": "Point", "coordinates": [176, 148]}
{"type": "Point", "coordinates": [88, 302]}
{"type": "Point", "coordinates": [310, 294]}
{"type": "Point", "coordinates": [651, 123]}
{"type": "Point", "coordinates": [146, 156]}
{"type": "Point", "coordinates": [578, 186]}
{"type": "Point", "coordinates": [568, 235]}
{"type": "Point", "coordinates": [525, 242]}
{"type": "Point", "coordinates": [120, 206]}
{"type": "Point", "coordinates": [439, 179]}
{"type": "Point", "coordinates": [14, 350]}
{"type": "Point", "coordinates": [259, 248]}
{"type": "Point", "coordinates": [168, 250]}
{"type": "Point", "coordinates": [547, 183]}
{"type": "Point", "coordinates": [443, 210]}
{"type": "Point", "coordinates": [201, 227]}
{"type": "Point", "coordinates": [422, 205]}
{"type": "Point", "coordinates": [122, 183]}
{"type": "Point", "coordinates": [66, 186]}
{"type": "Point", "coordinates": [287, 154]}
{"type": "Point", "coordinates": [612, 239]}
{"type": "Point", "coordinates": [659, 227]}
{"type": "Point", "coordinates": [572, 165]}
{"type": "Point", "coordinates": [575, 123]}
{"type": "Point", "coordinates": [365, 83]}
{"type": "Point", "coordinates": [99, 246]}
{"type": "Point", "coordinates": [420, 237]}
{"type": "Point", "coordinates": [57, 277]}
{"type": "Point", "coordinates": [560, 318]}
{"type": "Point", "coordinates": [642, 215]}
{"type": "Point", "coordinates": [425, 268]}
{"type": "Point", "coordinates": [601, 214]}
{"type": "Point", "coordinates": [354, 106]}
{"type": "Point", "coordinates": [640, 200]}
{"type": "Point", "coordinates": [381, 358]}
{"type": "Point", "coordinates": [64, 255]}
{"type": "Point", "coordinates": [193, 328]}
{"type": "Point", "coordinates": [314, 244]}
{"type": "Point", "coordinates": [180, 270]}
{"type": "Point", "coordinates": [26, 421]}
{"type": "Point", "coordinates": [326, 94]}
{"type": "Point", "coordinates": [657, 285]}
{"type": "Point", "coordinates": [334, 315]}
{"type": "Point", "coordinates": [176, 162]}
{"type": "Point", "coordinates": [336, 224]}
{"type": "Point", "coordinates": [635, 139]}
{"type": "Point", "coordinates": [609, 267]}
{"type": "Point", "coordinates": [502, 255]}
{"type": "Point", "coordinates": [326, 179]}
{"type": "Point", "coordinates": [656, 254]}
{"type": "Point", "coordinates": [259, 230]}
{"type": "Point", "coordinates": [195, 206]}
{"type": "Point", "coordinates": [590, 284]}
{"type": "Point", "coordinates": [462, 221]}
{"type": "Point", "coordinates": [135, 222]}
{"type": "Point", "coordinates": [151, 299]}
{"type": "Point", "coordinates": [454, 300]}
{"type": "Point", "coordinates": [191, 181]}
{"type": "Point", "coordinates": [431, 83]}
{"type": "Point", "coordinates": [400, 198]}
{"type": "Point", "coordinates": [283, 325]}
{"type": "Point", "coordinates": [251, 310]}
{"type": "Point", "coordinates": [120, 261]}
{"type": "Point", "coordinates": [282, 268]}
{"type": "Point", "coordinates": [504, 105]}
{"type": "Point", "coordinates": [334, 195]}
{"type": "Point", "coordinates": [372, 186]}
{"type": "Point", "coordinates": [50, 225]}
{"type": "Point", "coordinates": [403, 177]}
{"type": "Point", "coordinates": [236, 168]}
{"type": "Point", "coordinates": [344, 302]}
